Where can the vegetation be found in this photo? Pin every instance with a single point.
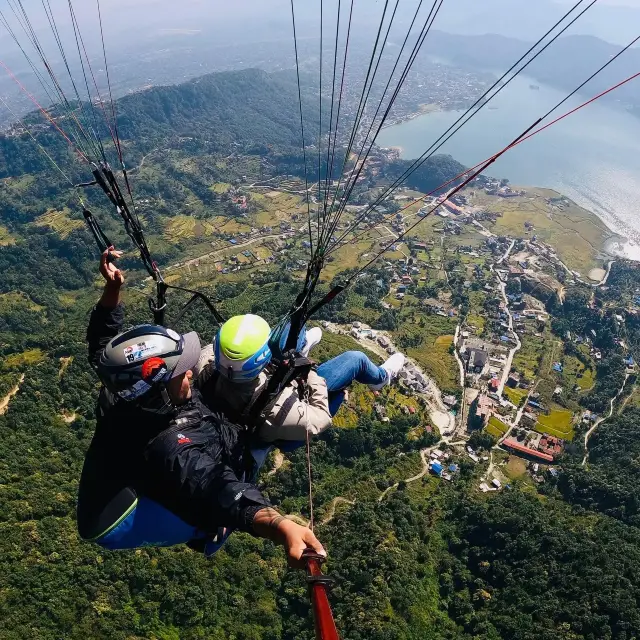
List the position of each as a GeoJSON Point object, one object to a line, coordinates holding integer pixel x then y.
{"type": "Point", "coordinates": [611, 482]}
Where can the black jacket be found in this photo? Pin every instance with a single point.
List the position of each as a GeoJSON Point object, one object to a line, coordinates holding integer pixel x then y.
{"type": "Point", "coordinates": [191, 462]}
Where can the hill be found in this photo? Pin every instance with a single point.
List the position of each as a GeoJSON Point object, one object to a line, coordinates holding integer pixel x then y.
{"type": "Point", "coordinates": [565, 65]}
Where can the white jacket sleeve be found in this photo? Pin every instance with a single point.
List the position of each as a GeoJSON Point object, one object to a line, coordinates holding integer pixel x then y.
{"type": "Point", "coordinates": [291, 418]}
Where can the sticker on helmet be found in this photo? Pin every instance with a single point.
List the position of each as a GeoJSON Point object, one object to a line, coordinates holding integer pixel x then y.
{"type": "Point", "coordinates": [141, 351]}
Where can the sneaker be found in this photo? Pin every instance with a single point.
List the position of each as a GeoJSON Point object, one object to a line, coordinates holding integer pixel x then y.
{"type": "Point", "coordinates": [392, 366]}
{"type": "Point", "coordinates": [312, 338]}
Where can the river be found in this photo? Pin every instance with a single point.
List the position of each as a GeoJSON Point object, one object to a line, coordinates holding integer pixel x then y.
{"type": "Point", "coordinates": [593, 156]}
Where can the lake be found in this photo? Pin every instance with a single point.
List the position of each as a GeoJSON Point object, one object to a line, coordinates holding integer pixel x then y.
{"type": "Point", "coordinates": [593, 156]}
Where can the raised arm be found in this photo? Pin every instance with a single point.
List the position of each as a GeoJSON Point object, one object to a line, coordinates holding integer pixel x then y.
{"type": "Point", "coordinates": [107, 316]}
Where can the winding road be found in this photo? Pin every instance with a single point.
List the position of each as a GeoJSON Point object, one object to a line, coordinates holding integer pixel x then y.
{"type": "Point", "coordinates": [425, 468]}
{"type": "Point", "coordinates": [598, 422]}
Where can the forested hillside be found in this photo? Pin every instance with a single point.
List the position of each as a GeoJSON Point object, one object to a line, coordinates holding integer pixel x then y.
{"type": "Point", "coordinates": [249, 108]}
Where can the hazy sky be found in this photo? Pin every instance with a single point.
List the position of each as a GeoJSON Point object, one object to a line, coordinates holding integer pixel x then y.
{"type": "Point", "coordinates": [148, 22]}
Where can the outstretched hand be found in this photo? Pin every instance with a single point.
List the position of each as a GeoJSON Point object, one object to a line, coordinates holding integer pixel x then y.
{"type": "Point", "coordinates": [112, 275]}
{"type": "Point", "coordinates": [296, 540]}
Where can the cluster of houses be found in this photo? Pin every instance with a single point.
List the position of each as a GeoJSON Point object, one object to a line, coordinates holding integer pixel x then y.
{"type": "Point", "coordinates": [440, 465]}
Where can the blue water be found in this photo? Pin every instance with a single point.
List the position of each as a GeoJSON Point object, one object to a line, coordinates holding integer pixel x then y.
{"type": "Point", "coordinates": [593, 156]}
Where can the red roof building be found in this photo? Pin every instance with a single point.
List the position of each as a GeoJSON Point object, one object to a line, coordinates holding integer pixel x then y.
{"type": "Point", "coordinates": [550, 444]}
{"type": "Point", "coordinates": [516, 446]}
{"type": "Point", "coordinates": [454, 208]}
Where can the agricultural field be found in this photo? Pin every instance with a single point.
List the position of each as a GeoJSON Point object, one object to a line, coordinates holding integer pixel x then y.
{"type": "Point", "coordinates": [577, 234]}
{"type": "Point", "coordinates": [279, 204]}
{"type": "Point", "coordinates": [515, 395]}
{"type": "Point", "coordinates": [222, 224]}
{"type": "Point", "coordinates": [186, 227]}
{"type": "Point", "coordinates": [496, 427]}
{"type": "Point", "coordinates": [558, 423]}
{"type": "Point", "coordinates": [59, 221]}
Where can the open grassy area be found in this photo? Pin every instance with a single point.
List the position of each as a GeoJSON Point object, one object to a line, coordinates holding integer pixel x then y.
{"type": "Point", "coordinates": [558, 423]}
{"type": "Point", "coordinates": [433, 353]}
{"type": "Point", "coordinates": [527, 359]}
{"type": "Point", "coordinates": [26, 358]}
{"type": "Point", "coordinates": [6, 238]}
{"type": "Point", "coordinates": [13, 299]}
{"type": "Point", "coordinates": [577, 234]}
{"type": "Point", "coordinates": [347, 257]}
{"type": "Point", "coordinates": [20, 184]}
{"type": "Point", "coordinates": [59, 221]}
{"type": "Point", "coordinates": [515, 468]}
{"type": "Point", "coordinates": [576, 374]}
{"type": "Point", "coordinates": [496, 427]}
{"type": "Point", "coordinates": [220, 187]}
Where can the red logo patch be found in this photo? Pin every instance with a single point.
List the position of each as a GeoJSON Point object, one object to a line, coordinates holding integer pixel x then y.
{"type": "Point", "coordinates": [152, 367]}
{"type": "Point", "coordinates": [182, 439]}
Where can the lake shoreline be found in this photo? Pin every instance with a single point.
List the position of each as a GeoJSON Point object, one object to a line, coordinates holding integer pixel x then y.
{"type": "Point", "coordinates": [592, 158]}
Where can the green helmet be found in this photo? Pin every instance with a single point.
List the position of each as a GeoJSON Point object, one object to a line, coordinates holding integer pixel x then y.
{"type": "Point", "coordinates": [242, 347]}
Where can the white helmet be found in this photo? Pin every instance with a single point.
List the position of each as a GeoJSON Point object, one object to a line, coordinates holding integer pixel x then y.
{"type": "Point", "coordinates": [143, 359]}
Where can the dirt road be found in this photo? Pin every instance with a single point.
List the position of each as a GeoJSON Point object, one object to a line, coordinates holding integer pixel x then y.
{"type": "Point", "coordinates": [4, 403]}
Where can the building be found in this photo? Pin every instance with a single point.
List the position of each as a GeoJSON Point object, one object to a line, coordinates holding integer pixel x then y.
{"type": "Point", "coordinates": [450, 401]}
{"type": "Point", "coordinates": [452, 207]}
{"type": "Point", "coordinates": [520, 448]}
{"type": "Point", "coordinates": [478, 359]}
{"type": "Point", "coordinates": [436, 468]}
{"type": "Point", "coordinates": [383, 341]}
{"type": "Point", "coordinates": [483, 411]}
{"type": "Point", "coordinates": [550, 445]}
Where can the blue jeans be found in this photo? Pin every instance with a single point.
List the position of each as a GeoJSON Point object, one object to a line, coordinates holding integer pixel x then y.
{"type": "Point", "coordinates": [341, 371]}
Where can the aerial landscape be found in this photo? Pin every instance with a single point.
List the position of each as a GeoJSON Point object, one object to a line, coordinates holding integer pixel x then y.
{"type": "Point", "coordinates": [464, 192]}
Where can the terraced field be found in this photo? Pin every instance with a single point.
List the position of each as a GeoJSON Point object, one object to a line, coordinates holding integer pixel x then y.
{"type": "Point", "coordinates": [59, 221]}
